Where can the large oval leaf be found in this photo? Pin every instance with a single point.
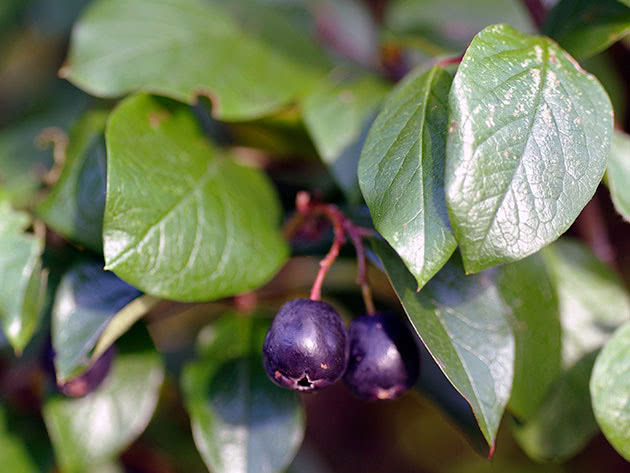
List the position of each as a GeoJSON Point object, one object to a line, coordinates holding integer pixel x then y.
{"type": "Point", "coordinates": [401, 173]}
{"type": "Point", "coordinates": [93, 430]}
{"type": "Point", "coordinates": [86, 301]}
{"type": "Point", "coordinates": [618, 173]}
{"type": "Point", "coordinates": [22, 284]}
{"type": "Point", "coordinates": [528, 143]}
{"type": "Point", "coordinates": [528, 290]}
{"type": "Point", "coordinates": [462, 321]}
{"type": "Point", "coordinates": [241, 422]}
{"type": "Point", "coordinates": [188, 48]}
{"type": "Point", "coordinates": [586, 27]}
{"type": "Point", "coordinates": [181, 221]}
{"type": "Point", "coordinates": [610, 390]}
{"type": "Point", "coordinates": [75, 207]}
{"type": "Point", "coordinates": [583, 284]}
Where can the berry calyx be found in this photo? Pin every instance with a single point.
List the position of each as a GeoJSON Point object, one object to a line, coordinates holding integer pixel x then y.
{"type": "Point", "coordinates": [306, 347]}
{"type": "Point", "coordinates": [384, 357]}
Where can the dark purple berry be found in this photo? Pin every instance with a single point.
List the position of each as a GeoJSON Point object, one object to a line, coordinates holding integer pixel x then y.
{"type": "Point", "coordinates": [306, 347]}
{"type": "Point", "coordinates": [384, 358]}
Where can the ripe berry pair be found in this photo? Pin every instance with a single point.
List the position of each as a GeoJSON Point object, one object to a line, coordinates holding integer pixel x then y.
{"type": "Point", "coordinates": [308, 348]}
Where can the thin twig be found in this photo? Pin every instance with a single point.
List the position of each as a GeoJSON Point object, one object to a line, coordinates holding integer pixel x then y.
{"type": "Point", "coordinates": [341, 226]}
{"type": "Point", "coordinates": [59, 140]}
{"type": "Point", "coordinates": [592, 227]}
{"type": "Point", "coordinates": [362, 276]}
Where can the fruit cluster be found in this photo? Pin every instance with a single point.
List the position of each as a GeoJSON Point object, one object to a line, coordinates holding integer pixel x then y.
{"type": "Point", "coordinates": [308, 348]}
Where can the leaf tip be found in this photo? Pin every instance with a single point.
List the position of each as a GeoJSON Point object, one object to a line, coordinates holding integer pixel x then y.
{"type": "Point", "coordinates": [491, 451]}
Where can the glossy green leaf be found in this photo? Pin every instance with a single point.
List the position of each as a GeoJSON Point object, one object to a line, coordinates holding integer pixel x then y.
{"type": "Point", "coordinates": [564, 423]}
{"type": "Point", "coordinates": [119, 46]}
{"type": "Point", "coordinates": [586, 27]}
{"type": "Point", "coordinates": [95, 429]}
{"type": "Point", "coordinates": [182, 221]}
{"type": "Point", "coordinates": [85, 303]}
{"type": "Point", "coordinates": [22, 284]}
{"type": "Point", "coordinates": [593, 300]}
{"type": "Point", "coordinates": [610, 390]}
{"type": "Point", "coordinates": [527, 289]}
{"type": "Point", "coordinates": [462, 321]}
{"type": "Point", "coordinates": [401, 173]}
{"type": "Point", "coordinates": [241, 421]}
{"type": "Point", "coordinates": [625, 2]}
{"type": "Point", "coordinates": [618, 173]}
{"type": "Point", "coordinates": [76, 205]}
{"type": "Point", "coordinates": [528, 143]}
{"type": "Point", "coordinates": [15, 454]}
{"type": "Point", "coordinates": [337, 114]}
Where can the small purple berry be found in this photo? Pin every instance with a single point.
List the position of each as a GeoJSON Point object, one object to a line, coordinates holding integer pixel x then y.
{"type": "Point", "coordinates": [306, 347]}
{"type": "Point", "coordinates": [384, 358]}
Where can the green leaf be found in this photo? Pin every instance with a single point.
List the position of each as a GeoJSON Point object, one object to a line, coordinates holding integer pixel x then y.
{"type": "Point", "coordinates": [75, 206]}
{"type": "Point", "coordinates": [564, 424]}
{"type": "Point", "coordinates": [625, 2]}
{"type": "Point", "coordinates": [182, 221]}
{"type": "Point", "coordinates": [119, 46]}
{"type": "Point", "coordinates": [93, 430]}
{"type": "Point", "coordinates": [15, 455]}
{"type": "Point", "coordinates": [618, 173]}
{"type": "Point", "coordinates": [241, 422]}
{"type": "Point", "coordinates": [336, 114]}
{"type": "Point", "coordinates": [85, 303]}
{"type": "Point", "coordinates": [121, 322]}
{"type": "Point", "coordinates": [461, 319]}
{"type": "Point", "coordinates": [401, 173]}
{"type": "Point", "coordinates": [610, 390]}
{"type": "Point", "coordinates": [586, 27]}
{"type": "Point", "coordinates": [527, 288]}
{"type": "Point", "coordinates": [593, 300]}
{"type": "Point", "coordinates": [527, 146]}
{"type": "Point", "coordinates": [22, 284]}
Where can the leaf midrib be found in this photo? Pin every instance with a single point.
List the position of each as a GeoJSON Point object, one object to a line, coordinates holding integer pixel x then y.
{"type": "Point", "coordinates": [543, 80]}
{"type": "Point", "coordinates": [182, 200]}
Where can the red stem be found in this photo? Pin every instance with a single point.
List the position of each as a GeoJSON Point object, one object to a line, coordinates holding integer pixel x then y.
{"type": "Point", "coordinates": [341, 226]}
{"type": "Point", "coordinates": [537, 11]}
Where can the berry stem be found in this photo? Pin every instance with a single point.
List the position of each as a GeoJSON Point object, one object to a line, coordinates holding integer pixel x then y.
{"type": "Point", "coordinates": [342, 226]}
{"type": "Point", "coordinates": [340, 238]}
{"type": "Point", "coordinates": [362, 276]}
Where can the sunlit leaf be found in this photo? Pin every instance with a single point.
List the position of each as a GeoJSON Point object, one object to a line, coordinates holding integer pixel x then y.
{"type": "Point", "coordinates": [22, 284]}
{"type": "Point", "coordinates": [183, 221]}
{"type": "Point", "coordinates": [528, 144]}
{"type": "Point", "coordinates": [401, 173]}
